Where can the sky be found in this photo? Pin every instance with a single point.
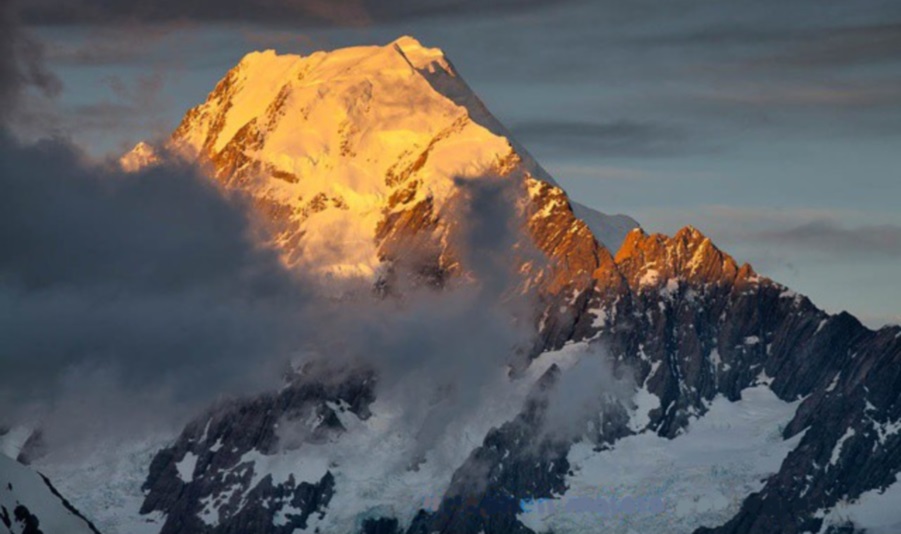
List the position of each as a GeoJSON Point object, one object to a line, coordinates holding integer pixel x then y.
{"type": "Point", "coordinates": [773, 127]}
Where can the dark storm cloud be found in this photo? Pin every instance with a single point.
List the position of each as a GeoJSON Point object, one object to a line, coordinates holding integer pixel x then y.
{"type": "Point", "coordinates": [151, 281]}
{"type": "Point", "coordinates": [849, 45]}
{"type": "Point", "coordinates": [715, 70]}
{"type": "Point", "coordinates": [133, 107]}
{"type": "Point", "coordinates": [118, 44]}
{"type": "Point", "coordinates": [135, 299]}
{"type": "Point", "coordinates": [21, 63]}
{"type": "Point", "coordinates": [618, 138]}
{"type": "Point", "coordinates": [837, 72]}
{"type": "Point", "coordinates": [832, 238]}
{"type": "Point", "coordinates": [280, 12]}
{"type": "Point", "coordinates": [129, 301]}
{"type": "Point", "coordinates": [135, 104]}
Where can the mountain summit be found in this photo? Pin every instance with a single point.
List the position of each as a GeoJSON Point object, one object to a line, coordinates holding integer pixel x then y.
{"type": "Point", "coordinates": [342, 150]}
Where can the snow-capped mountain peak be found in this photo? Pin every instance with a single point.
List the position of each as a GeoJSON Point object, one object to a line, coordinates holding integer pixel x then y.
{"type": "Point", "coordinates": [333, 145]}
{"type": "Point", "coordinates": [421, 57]}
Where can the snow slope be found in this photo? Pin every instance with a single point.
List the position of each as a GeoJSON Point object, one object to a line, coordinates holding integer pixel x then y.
{"type": "Point", "coordinates": [610, 230]}
{"type": "Point", "coordinates": [105, 485]}
{"type": "Point", "coordinates": [647, 483]}
{"type": "Point", "coordinates": [26, 498]}
{"type": "Point", "coordinates": [874, 512]}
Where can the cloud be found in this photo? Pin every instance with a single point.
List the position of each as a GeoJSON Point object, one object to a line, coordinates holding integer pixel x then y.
{"type": "Point", "coordinates": [830, 237]}
{"type": "Point", "coordinates": [837, 233]}
{"type": "Point", "coordinates": [616, 138]}
{"type": "Point", "coordinates": [834, 96]}
{"type": "Point", "coordinates": [129, 302]}
{"type": "Point", "coordinates": [348, 13]}
{"type": "Point", "coordinates": [150, 284]}
{"type": "Point", "coordinates": [21, 64]}
{"type": "Point", "coordinates": [584, 395]}
{"type": "Point", "coordinates": [719, 75]}
{"type": "Point", "coordinates": [837, 74]}
{"type": "Point", "coordinates": [119, 44]}
{"type": "Point", "coordinates": [600, 173]}
{"type": "Point", "coordinates": [836, 44]}
{"type": "Point", "coordinates": [441, 352]}
{"type": "Point", "coordinates": [609, 45]}
{"type": "Point", "coordinates": [277, 38]}
{"type": "Point", "coordinates": [125, 109]}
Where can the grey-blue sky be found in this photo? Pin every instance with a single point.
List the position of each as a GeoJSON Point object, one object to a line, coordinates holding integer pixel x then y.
{"type": "Point", "coordinates": [756, 122]}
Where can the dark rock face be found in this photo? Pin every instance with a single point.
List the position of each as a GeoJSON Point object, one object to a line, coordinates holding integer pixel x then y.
{"type": "Point", "coordinates": [704, 325]}
{"type": "Point", "coordinates": [851, 442]}
{"type": "Point", "coordinates": [382, 525]}
{"type": "Point", "coordinates": [29, 522]}
{"type": "Point", "coordinates": [220, 494]}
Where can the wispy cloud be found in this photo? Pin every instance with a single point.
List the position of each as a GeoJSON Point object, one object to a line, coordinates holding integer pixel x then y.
{"type": "Point", "coordinates": [348, 13]}
{"type": "Point", "coordinates": [599, 173]}
{"type": "Point", "coordinates": [828, 236]}
{"type": "Point", "coordinates": [826, 95]}
{"type": "Point", "coordinates": [827, 231]}
{"type": "Point", "coordinates": [131, 109]}
{"type": "Point", "coordinates": [119, 44]}
{"type": "Point", "coordinates": [21, 64]}
{"type": "Point", "coordinates": [615, 138]}
{"type": "Point", "coordinates": [770, 44]}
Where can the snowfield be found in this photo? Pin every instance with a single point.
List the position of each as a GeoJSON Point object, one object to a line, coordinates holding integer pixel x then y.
{"type": "Point", "coordinates": [105, 485]}
{"type": "Point", "coordinates": [24, 493]}
{"type": "Point", "coordinates": [674, 486]}
{"type": "Point", "coordinates": [874, 512]}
